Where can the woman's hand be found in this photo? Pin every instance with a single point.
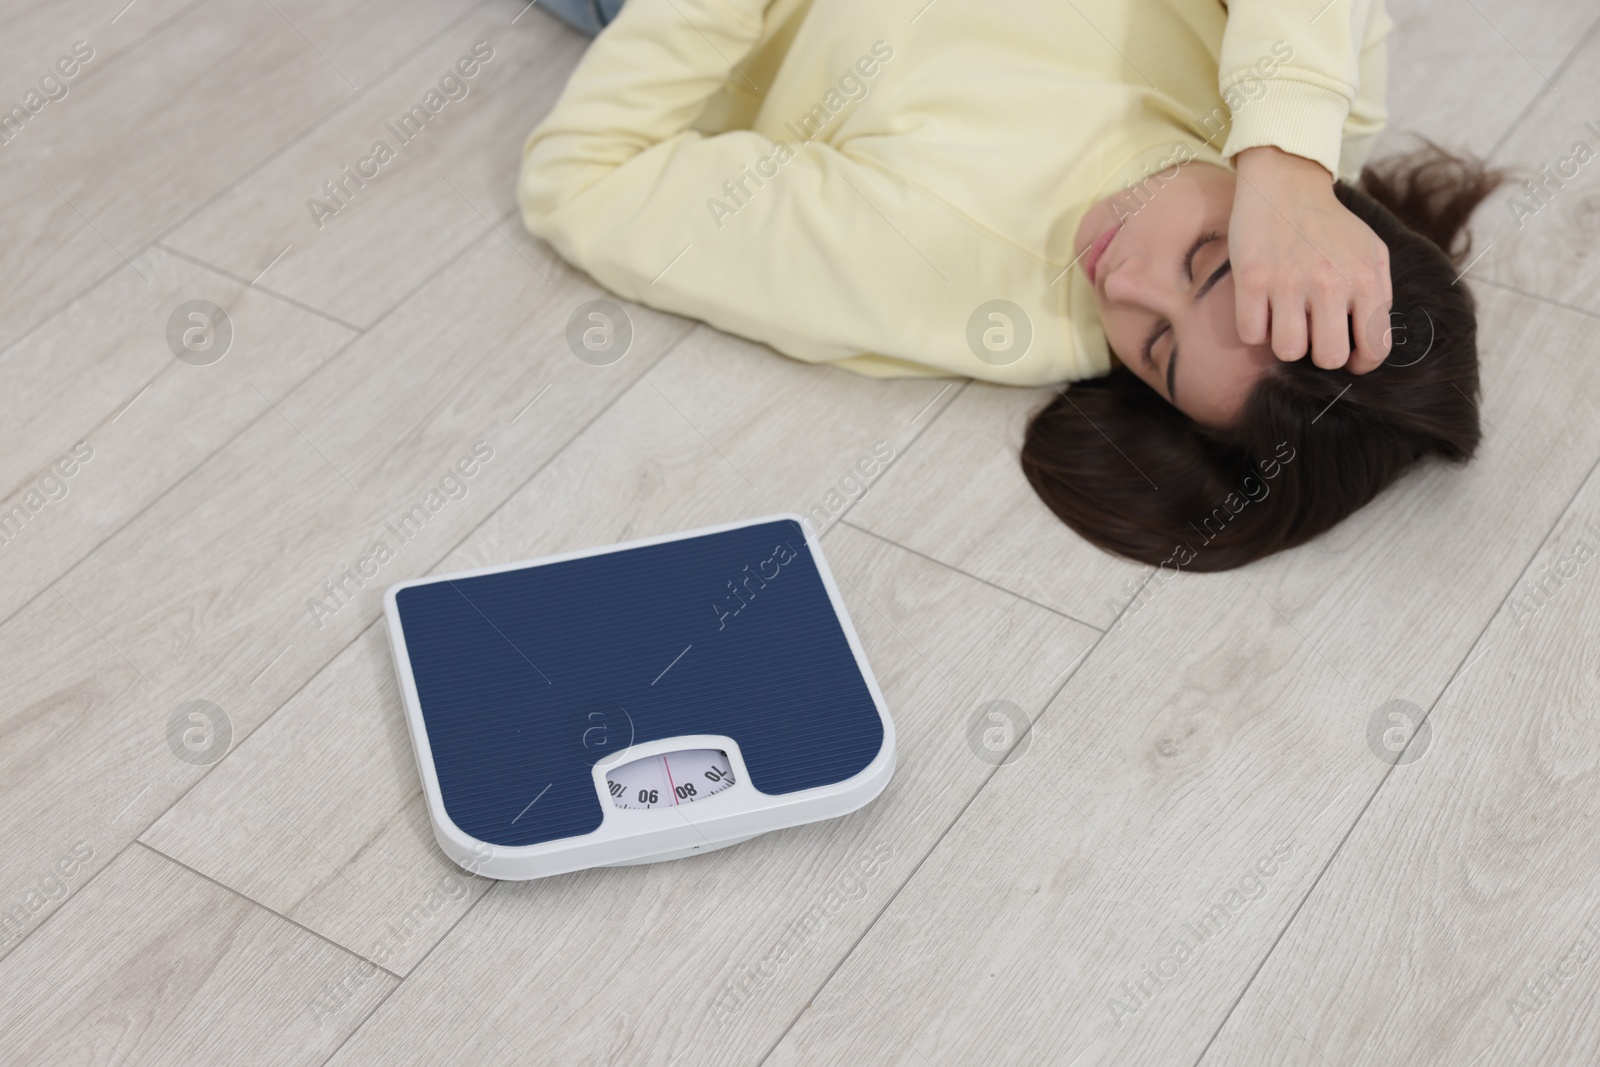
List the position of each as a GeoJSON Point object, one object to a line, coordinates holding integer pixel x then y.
{"type": "Point", "coordinates": [1304, 266]}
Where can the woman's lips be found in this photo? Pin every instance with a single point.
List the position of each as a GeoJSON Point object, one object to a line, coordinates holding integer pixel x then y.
{"type": "Point", "coordinates": [1091, 258]}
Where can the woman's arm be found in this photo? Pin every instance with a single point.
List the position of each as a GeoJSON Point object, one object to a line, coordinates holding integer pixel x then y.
{"type": "Point", "coordinates": [796, 244]}
{"type": "Point", "coordinates": [1334, 48]}
{"type": "Point", "coordinates": [1369, 111]}
{"type": "Point", "coordinates": [1307, 271]}
{"type": "Point", "coordinates": [637, 88]}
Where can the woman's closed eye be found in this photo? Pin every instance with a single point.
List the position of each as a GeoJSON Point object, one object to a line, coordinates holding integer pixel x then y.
{"type": "Point", "coordinates": [1194, 250]}
{"type": "Point", "coordinates": [1162, 326]}
{"type": "Point", "coordinates": [1150, 343]}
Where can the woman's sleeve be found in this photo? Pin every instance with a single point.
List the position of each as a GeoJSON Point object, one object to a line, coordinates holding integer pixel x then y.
{"type": "Point", "coordinates": [788, 244]}
{"type": "Point", "coordinates": [1369, 113]}
{"type": "Point", "coordinates": [1323, 64]}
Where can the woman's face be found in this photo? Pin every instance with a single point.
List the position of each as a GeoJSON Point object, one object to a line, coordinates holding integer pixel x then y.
{"type": "Point", "coordinates": [1164, 290]}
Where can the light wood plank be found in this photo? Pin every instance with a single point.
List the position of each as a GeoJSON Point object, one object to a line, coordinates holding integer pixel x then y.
{"type": "Point", "coordinates": [69, 772]}
{"type": "Point", "coordinates": [338, 754]}
{"type": "Point", "coordinates": [319, 817]}
{"type": "Point", "coordinates": [102, 375]}
{"type": "Point", "coordinates": [1226, 720]}
{"type": "Point", "coordinates": [721, 428]}
{"type": "Point", "coordinates": [39, 34]}
{"type": "Point", "coordinates": [206, 593]}
{"type": "Point", "coordinates": [170, 124]}
{"type": "Point", "coordinates": [364, 39]}
{"type": "Point", "coordinates": [153, 964]}
{"type": "Point", "coordinates": [962, 499]}
{"type": "Point", "coordinates": [1544, 242]}
{"type": "Point", "coordinates": [708, 959]}
{"type": "Point", "coordinates": [1459, 923]}
{"type": "Point", "coordinates": [422, 206]}
{"type": "Point", "coordinates": [1462, 73]}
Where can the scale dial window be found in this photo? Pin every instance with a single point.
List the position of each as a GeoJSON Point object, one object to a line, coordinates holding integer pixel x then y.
{"type": "Point", "coordinates": [670, 779]}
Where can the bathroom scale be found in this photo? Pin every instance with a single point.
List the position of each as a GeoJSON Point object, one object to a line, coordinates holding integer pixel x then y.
{"type": "Point", "coordinates": [637, 702]}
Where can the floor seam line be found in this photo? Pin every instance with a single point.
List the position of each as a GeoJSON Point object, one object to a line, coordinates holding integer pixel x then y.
{"type": "Point", "coordinates": [268, 909]}
{"type": "Point", "coordinates": [976, 578]}
{"type": "Point", "coordinates": [273, 293]}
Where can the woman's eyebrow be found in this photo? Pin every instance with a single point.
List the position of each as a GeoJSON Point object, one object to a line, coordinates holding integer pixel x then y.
{"type": "Point", "coordinates": [1216, 276]}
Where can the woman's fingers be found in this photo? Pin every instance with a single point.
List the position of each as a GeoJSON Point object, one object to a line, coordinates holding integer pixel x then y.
{"type": "Point", "coordinates": [1373, 335]}
{"type": "Point", "coordinates": [1326, 321]}
{"type": "Point", "coordinates": [1308, 274]}
{"type": "Point", "coordinates": [1372, 302]}
{"type": "Point", "coordinates": [1289, 327]}
{"type": "Point", "coordinates": [1251, 309]}
{"type": "Point", "coordinates": [1330, 326]}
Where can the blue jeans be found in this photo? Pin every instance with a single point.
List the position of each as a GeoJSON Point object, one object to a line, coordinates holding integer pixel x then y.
{"type": "Point", "coordinates": [586, 16]}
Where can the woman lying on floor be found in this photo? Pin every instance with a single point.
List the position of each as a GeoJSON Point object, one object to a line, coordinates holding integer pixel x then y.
{"type": "Point", "coordinates": [1161, 201]}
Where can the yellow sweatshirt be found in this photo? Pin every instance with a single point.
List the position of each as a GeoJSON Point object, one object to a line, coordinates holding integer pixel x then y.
{"type": "Point", "coordinates": [852, 181]}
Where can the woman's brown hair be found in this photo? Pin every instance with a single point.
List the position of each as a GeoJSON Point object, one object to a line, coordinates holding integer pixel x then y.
{"type": "Point", "coordinates": [1132, 474]}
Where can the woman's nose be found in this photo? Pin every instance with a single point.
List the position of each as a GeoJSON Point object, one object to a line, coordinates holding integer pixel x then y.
{"type": "Point", "coordinates": [1126, 283]}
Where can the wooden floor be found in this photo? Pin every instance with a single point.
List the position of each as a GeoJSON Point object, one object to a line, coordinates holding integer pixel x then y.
{"type": "Point", "coordinates": [1212, 851]}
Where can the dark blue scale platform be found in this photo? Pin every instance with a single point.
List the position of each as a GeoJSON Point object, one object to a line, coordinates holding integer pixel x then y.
{"type": "Point", "coordinates": [530, 676]}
